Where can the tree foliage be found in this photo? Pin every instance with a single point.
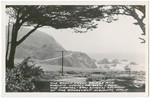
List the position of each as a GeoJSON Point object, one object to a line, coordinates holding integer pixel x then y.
{"type": "Point", "coordinates": [22, 77]}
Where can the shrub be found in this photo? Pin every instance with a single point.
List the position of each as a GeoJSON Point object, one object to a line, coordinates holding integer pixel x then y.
{"type": "Point", "coordinates": [71, 72]}
{"type": "Point", "coordinates": [21, 78]}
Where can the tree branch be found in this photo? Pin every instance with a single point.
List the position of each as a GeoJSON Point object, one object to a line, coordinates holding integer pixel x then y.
{"type": "Point", "coordinates": [143, 17]}
{"type": "Point", "coordinates": [143, 40]}
{"type": "Point", "coordinates": [122, 13]}
{"type": "Point", "coordinates": [126, 9]}
{"type": "Point", "coordinates": [30, 32]}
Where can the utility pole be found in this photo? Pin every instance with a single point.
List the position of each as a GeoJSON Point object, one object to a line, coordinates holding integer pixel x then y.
{"type": "Point", "coordinates": [62, 61]}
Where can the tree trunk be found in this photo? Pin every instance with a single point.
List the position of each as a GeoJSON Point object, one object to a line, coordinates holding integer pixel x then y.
{"type": "Point", "coordinates": [10, 62]}
{"type": "Point", "coordinates": [7, 47]}
{"type": "Point", "coordinates": [14, 43]}
{"type": "Point", "coordinates": [142, 26]}
{"type": "Point", "coordinates": [12, 48]}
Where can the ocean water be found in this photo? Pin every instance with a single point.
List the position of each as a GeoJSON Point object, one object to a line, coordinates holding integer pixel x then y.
{"type": "Point", "coordinates": [139, 58]}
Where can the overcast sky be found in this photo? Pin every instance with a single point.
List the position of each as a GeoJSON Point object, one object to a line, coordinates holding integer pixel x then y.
{"type": "Point", "coordinates": [114, 40]}
{"type": "Point", "coordinates": [118, 36]}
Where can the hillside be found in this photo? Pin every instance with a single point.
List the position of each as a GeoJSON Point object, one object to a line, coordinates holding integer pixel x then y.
{"type": "Point", "coordinates": [43, 48]}
{"type": "Point", "coordinates": [38, 45]}
{"type": "Point", "coordinates": [72, 59]}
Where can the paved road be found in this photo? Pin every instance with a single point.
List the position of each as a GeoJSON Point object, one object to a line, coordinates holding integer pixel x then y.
{"type": "Point", "coordinates": [53, 58]}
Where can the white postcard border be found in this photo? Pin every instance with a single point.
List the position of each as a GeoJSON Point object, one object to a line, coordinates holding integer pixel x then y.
{"type": "Point", "coordinates": [71, 94]}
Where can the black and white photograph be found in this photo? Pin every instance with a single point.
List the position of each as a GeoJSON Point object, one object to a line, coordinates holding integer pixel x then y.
{"type": "Point", "coordinates": [75, 48]}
